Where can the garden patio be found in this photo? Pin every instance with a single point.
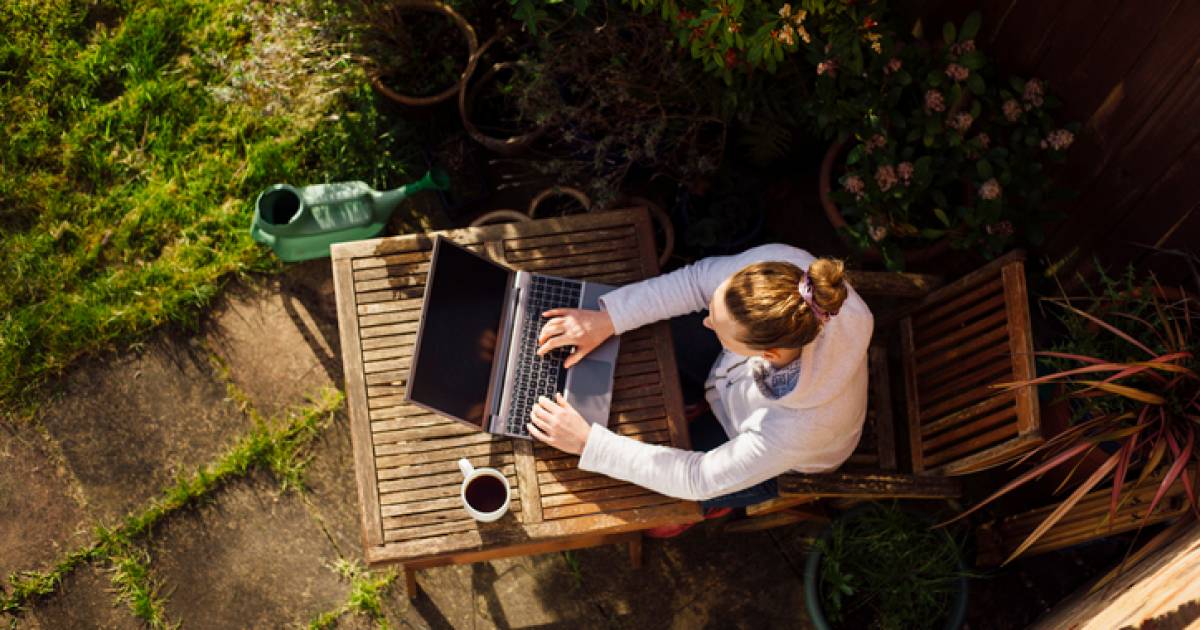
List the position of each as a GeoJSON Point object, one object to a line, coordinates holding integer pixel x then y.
{"type": "Point", "coordinates": [175, 445]}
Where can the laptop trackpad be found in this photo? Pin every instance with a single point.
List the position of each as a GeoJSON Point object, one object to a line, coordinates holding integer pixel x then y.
{"type": "Point", "coordinates": [589, 390]}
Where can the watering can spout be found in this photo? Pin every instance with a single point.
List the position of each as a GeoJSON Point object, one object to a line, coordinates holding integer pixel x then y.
{"type": "Point", "coordinates": [388, 200]}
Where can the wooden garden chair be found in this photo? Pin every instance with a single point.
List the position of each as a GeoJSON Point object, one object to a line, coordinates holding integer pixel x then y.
{"type": "Point", "coordinates": [953, 343]}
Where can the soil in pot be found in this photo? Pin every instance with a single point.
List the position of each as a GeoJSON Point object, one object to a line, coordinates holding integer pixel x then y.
{"type": "Point", "coordinates": [494, 108]}
{"type": "Point", "coordinates": [418, 52]}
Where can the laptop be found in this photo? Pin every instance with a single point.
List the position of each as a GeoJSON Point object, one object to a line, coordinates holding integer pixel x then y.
{"type": "Point", "coordinates": [476, 359]}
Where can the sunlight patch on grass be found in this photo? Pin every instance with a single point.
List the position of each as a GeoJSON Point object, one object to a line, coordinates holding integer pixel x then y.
{"type": "Point", "coordinates": [134, 138]}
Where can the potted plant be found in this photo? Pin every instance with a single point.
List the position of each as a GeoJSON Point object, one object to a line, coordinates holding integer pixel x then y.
{"type": "Point", "coordinates": [882, 566]}
{"type": "Point", "coordinates": [417, 52]}
{"type": "Point", "coordinates": [1128, 363]}
{"type": "Point", "coordinates": [617, 101]}
{"type": "Point", "coordinates": [929, 154]}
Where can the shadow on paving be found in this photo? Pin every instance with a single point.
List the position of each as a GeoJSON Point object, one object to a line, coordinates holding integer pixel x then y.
{"type": "Point", "coordinates": [279, 337]}
{"type": "Point", "coordinates": [128, 425]}
{"type": "Point", "coordinates": [250, 559]}
{"type": "Point", "coordinates": [703, 579]}
{"type": "Point", "coordinates": [40, 519]}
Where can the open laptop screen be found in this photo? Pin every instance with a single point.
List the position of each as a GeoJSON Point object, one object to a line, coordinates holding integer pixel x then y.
{"type": "Point", "coordinates": [464, 301]}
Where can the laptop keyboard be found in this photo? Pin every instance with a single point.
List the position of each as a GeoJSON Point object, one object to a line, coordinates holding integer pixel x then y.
{"type": "Point", "coordinates": [539, 376]}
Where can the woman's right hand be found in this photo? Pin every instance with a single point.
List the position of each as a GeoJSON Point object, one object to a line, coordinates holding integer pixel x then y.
{"type": "Point", "coordinates": [577, 327]}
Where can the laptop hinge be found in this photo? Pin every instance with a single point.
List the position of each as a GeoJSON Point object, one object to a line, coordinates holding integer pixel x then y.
{"type": "Point", "coordinates": [504, 346]}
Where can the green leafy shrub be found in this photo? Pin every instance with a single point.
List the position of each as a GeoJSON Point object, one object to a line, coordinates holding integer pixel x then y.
{"type": "Point", "coordinates": [884, 567]}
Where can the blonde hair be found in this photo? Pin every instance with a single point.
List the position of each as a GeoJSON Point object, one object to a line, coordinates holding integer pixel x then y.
{"type": "Point", "coordinates": [765, 300]}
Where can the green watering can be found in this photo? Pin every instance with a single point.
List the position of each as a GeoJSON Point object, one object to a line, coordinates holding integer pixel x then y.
{"type": "Point", "coordinates": [301, 223]}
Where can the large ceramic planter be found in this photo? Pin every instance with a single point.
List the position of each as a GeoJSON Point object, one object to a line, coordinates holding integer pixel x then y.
{"type": "Point", "coordinates": [507, 145]}
{"type": "Point", "coordinates": [834, 214]}
{"type": "Point", "coordinates": [814, 598]}
{"type": "Point", "coordinates": [468, 33]}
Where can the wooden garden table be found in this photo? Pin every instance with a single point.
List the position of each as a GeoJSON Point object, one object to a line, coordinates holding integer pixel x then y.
{"type": "Point", "coordinates": [405, 457]}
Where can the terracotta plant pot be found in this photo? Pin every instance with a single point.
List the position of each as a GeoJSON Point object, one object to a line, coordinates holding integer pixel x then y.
{"type": "Point", "coordinates": [661, 220]}
{"type": "Point", "coordinates": [500, 216]}
{"type": "Point", "coordinates": [511, 145]}
{"type": "Point", "coordinates": [555, 191]}
{"type": "Point", "coordinates": [468, 32]}
{"type": "Point", "coordinates": [872, 254]}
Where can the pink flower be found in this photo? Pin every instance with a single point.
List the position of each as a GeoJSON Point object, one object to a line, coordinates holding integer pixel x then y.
{"type": "Point", "coordinates": [1012, 110]}
{"type": "Point", "coordinates": [893, 65]}
{"type": "Point", "coordinates": [962, 48]}
{"type": "Point", "coordinates": [829, 66]}
{"type": "Point", "coordinates": [934, 102]}
{"type": "Point", "coordinates": [984, 140]}
{"type": "Point", "coordinates": [905, 171]}
{"type": "Point", "coordinates": [1059, 139]}
{"type": "Point", "coordinates": [885, 177]}
{"type": "Point", "coordinates": [957, 72]}
{"type": "Point", "coordinates": [876, 141]}
{"type": "Point", "coordinates": [990, 189]}
{"type": "Point", "coordinates": [854, 185]}
{"type": "Point", "coordinates": [1000, 228]}
{"type": "Point", "coordinates": [1033, 93]}
{"type": "Point", "coordinates": [960, 122]}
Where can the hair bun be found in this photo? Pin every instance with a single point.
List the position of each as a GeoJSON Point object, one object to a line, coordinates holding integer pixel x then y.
{"type": "Point", "coordinates": [828, 277]}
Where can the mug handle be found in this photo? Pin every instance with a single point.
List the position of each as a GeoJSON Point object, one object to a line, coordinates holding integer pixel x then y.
{"type": "Point", "coordinates": [466, 467]}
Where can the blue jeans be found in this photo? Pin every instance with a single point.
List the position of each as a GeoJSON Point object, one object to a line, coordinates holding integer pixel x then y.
{"type": "Point", "coordinates": [696, 349]}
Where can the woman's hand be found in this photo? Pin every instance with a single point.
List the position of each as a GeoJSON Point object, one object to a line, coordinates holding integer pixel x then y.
{"type": "Point", "coordinates": [556, 423]}
{"type": "Point", "coordinates": [577, 327]}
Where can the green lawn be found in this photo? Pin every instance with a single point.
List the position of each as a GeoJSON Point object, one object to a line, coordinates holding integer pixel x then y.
{"type": "Point", "coordinates": [135, 136]}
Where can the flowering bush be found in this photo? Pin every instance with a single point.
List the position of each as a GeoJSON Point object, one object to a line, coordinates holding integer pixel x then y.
{"type": "Point", "coordinates": [727, 36]}
{"type": "Point", "coordinates": [936, 151]}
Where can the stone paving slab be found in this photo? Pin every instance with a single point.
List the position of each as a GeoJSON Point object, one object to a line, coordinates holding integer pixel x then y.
{"type": "Point", "coordinates": [279, 337]}
{"type": "Point", "coordinates": [40, 519]}
{"type": "Point", "coordinates": [447, 600]}
{"type": "Point", "coordinates": [128, 426]}
{"type": "Point", "coordinates": [702, 579]}
{"type": "Point", "coordinates": [332, 493]}
{"type": "Point", "coordinates": [85, 600]}
{"type": "Point", "coordinates": [251, 559]}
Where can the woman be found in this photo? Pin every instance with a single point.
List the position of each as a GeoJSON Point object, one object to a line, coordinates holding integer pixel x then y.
{"type": "Point", "coordinates": [788, 391]}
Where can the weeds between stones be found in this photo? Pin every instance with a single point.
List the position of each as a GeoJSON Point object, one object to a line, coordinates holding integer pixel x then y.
{"type": "Point", "coordinates": [131, 577]}
{"type": "Point", "coordinates": [366, 589]}
{"type": "Point", "coordinates": [279, 447]}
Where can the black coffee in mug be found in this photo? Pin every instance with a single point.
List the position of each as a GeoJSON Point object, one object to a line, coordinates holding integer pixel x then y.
{"type": "Point", "coordinates": [486, 493]}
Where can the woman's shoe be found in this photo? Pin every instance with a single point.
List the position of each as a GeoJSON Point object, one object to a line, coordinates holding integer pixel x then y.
{"type": "Point", "coordinates": [693, 411]}
{"type": "Point", "coordinates": [671, 531]}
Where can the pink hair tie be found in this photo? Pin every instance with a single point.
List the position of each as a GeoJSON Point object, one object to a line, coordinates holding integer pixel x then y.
{"type": "Point", "coordinates": [806, 292]}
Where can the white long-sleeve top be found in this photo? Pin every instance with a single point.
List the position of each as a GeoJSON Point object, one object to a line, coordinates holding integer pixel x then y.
{"type": "Point", "coordinates": [813, 428]}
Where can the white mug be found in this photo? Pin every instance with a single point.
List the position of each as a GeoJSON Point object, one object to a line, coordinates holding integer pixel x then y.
{"type": "Point", "coordinates": [470, 473]}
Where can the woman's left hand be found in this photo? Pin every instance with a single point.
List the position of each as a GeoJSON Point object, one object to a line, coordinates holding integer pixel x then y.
{"type": "Point", "coordinates": [556, 423]}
